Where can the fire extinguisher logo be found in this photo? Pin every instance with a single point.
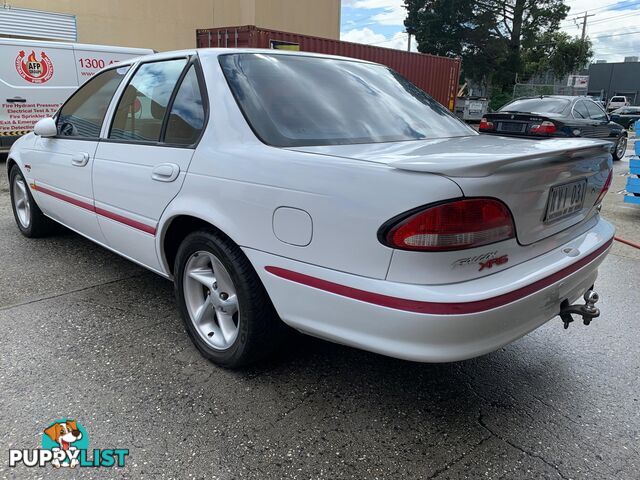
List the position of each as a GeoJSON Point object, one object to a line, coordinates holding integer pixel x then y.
{"type": "Point", "coordinates": [32, 69]}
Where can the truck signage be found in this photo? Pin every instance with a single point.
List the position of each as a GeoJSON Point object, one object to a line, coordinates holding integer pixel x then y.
{"type": "Point", "coordinates": [32, 69]}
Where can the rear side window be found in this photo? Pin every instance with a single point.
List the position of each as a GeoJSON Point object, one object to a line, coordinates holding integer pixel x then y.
{"type": "Point", "coordinates": [186, 119]}
{"type": "Point", "coordinates": [537, 105]}
{"type": "Point", "coordinates": [595, 112]}
{"type": "Point", "coordinates": [143, 104]}
{"type": "Point", "coordinates": [83, 114]}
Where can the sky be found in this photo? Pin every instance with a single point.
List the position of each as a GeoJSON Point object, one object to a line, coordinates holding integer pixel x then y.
{"type": "Point", "coordinates": [611, 29]}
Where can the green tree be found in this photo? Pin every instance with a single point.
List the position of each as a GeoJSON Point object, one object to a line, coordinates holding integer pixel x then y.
{"type": "Point", "coordinates": [491, 36]}
{"type": "Point", "coordinates": [557, 52]}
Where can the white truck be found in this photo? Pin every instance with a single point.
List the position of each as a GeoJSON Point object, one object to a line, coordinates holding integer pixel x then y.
{"type": "Point", "coordinates": [618, 101]}
{"type": "Point", "coordinates": [36, 77]}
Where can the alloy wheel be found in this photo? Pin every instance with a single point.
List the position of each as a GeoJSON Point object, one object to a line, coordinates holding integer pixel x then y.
{"type": "Point", "coordinates": [621, 148]}
{"type": "Point", "coordinates": [22, 202]}
{"type": "Point", "coordinates": [211, 300]}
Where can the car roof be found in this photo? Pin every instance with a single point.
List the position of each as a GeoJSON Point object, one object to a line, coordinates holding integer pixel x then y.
{"type": "Point", "coordinates": [215, 52]}
{"type": "Point", "coordinates": [559, 97]}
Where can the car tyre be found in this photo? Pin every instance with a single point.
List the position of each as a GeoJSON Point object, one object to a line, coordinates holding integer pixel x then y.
{"type": "Point", "coordinates": [29, 218]}
{"type": "Point", "coordinates": [620, 148]}
{"type": "Point", "coordinates": [225, 308]}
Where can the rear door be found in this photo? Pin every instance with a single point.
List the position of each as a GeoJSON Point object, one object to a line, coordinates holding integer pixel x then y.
{"type": "Point", "coordinates": [35, 79]}
{"type": "Point", "coordinates": [141, 166]}
{"type": "Point", "coordinates": [583, 120]}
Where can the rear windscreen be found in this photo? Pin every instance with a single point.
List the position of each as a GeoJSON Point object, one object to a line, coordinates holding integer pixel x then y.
{"type": "Point", "coordinates": [292, 100]}
{"type": "Point", "coordinates": [537, 105]}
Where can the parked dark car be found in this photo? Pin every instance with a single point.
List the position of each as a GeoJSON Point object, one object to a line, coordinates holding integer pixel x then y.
{"type": "Point", "coordinates": [556, 116]}
{"type": "Point", "coordinates": [626, 116]}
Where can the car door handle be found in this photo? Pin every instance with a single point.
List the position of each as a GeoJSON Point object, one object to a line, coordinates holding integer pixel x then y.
{"type": "Point", "coordinates": [16, 100]}
{"type": "Point", "coordinates": [80, 159]}
{"type": "Point", "coordinates": [165, 172]}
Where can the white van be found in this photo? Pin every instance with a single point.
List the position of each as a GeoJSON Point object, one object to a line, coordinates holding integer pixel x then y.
{"type": "Point", "coordinates": [36, 77]}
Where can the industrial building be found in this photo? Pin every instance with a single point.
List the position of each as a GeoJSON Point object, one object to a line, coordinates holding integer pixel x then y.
{"type": "Point", "coordinates": [609, 79]}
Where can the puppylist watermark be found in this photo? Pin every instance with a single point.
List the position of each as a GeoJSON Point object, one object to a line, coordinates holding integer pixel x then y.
{"type": "Point", "coordinates": [65, 443]}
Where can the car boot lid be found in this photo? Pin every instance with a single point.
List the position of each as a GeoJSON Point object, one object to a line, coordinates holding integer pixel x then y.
{"type": "Point", "coordinates": [468, 156]}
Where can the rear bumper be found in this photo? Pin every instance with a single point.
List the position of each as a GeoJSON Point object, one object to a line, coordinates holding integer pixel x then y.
{"type": "Point", "coordinates": [436, 323]}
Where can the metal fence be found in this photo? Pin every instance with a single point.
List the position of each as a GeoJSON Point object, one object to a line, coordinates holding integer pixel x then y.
{"type": "Point", "coordinates": [533, 89]}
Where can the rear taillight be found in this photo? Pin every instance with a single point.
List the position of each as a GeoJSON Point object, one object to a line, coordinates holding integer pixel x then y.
{"type": "Point", "coordinates": [455, 225]}
{"type": "Point", "coordinates": [605, 188]}
{"type": "Point", "coordinates": [544, 128]}
{"type": "Point", "coordinates": [486, 125]}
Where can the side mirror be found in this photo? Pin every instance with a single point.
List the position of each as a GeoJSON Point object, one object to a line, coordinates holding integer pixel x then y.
{"type": "Point", "coordinates": [46, 128]}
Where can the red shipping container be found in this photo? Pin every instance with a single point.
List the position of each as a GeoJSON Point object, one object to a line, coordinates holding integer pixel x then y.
{"type": "Point", "coordinates": [438, 76]}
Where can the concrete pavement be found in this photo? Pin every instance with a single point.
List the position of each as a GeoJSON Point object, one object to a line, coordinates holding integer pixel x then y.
{"type": "Point", "coordinates": [90, 336]}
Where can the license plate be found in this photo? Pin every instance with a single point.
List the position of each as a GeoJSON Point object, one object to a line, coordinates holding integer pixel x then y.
{"type": "Point", "coordinates": [565, 200]}
{"type": "Point", "coordinates": [475, 107]}
{"type": "Point", "coordinates": [511, 127]}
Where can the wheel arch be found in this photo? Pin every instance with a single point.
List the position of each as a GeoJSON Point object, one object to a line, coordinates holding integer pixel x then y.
{"type": "Point", "coordinates": [175, 230]}
{"type": "Point", "coordinates": [10, 164]}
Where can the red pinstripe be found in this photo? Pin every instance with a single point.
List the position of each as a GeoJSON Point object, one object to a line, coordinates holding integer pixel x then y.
{"type": "Point", "coordinates": [435, 308]}
{"type": "Point", "coordinates": [100, 211]}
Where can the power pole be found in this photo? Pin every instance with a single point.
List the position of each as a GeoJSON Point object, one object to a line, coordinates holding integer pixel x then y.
{"type": "Point", "coordinates": [584, 25]}
{"type": "Point", "coordinates": [409, 44]}
{"type": "Point", "coordinates": [582, 40]}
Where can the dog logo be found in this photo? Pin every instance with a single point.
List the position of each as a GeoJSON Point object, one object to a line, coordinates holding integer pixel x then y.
{"type": "Point", "coordinates": [32, 69]}
{"type": "Point", "coordinates": [65, 443]}
{"type": "Point", "coordinates": [65, 434]}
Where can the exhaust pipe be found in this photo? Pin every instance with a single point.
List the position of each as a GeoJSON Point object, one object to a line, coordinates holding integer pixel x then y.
{"type": "Point", "coordinates": [588, 311]}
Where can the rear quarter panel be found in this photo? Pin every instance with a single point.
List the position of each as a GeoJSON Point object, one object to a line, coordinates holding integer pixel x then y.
{"type": "Point", "coordinates": [236, 183]}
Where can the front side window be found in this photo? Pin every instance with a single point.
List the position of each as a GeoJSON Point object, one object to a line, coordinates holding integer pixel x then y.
{"type": "Point", "coordinates": [580, 110]}
{"type": "Point", "coordinates": [83, 114]}
{"type": "Point", "coordinates": [293, 100]}
{"type": "Point", "coordinates": [143, 104]}
{"type": "Point", "coordinates": [595, 112]}
{"type": "Point", "coordinates": [186, 119]}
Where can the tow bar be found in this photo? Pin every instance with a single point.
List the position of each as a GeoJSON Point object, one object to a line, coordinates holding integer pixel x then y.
{"type": "Point", "coordinates": [588, 311]}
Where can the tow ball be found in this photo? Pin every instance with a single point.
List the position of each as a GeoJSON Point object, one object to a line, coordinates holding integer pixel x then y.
{"type": "Point", "coordinates": [588, 311]}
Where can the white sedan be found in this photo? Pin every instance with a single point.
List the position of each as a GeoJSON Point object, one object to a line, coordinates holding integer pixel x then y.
{"type": "Point", "coordinates": [323, 193]}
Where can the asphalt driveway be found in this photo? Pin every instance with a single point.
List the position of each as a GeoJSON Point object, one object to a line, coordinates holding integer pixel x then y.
{"type": "Point", "coordinates": [90, 336]}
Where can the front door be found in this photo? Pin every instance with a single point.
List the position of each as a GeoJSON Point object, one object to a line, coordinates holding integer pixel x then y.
{"type": "Point", "coordinates": [61, 166]}
{"type": "Point", "coordinates": [599, 121]}
{"type": "Point", "coordinates": [142, 164]}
